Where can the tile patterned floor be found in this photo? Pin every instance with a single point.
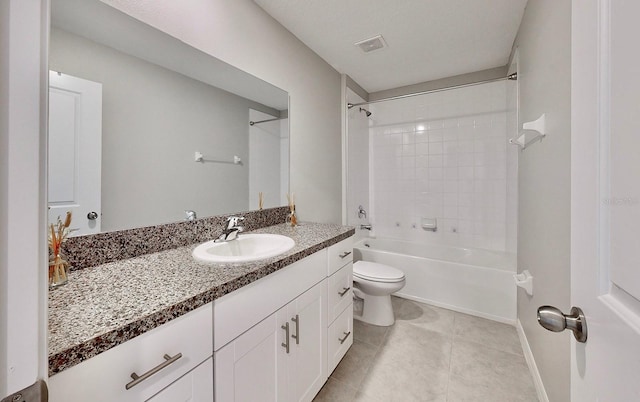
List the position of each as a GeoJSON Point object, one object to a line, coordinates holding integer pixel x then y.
{"type": "Point", "coordinates": [431, 354]}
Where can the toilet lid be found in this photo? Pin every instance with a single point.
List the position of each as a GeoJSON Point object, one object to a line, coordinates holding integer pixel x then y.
{"type": "Point", "coordinates": [376, 272]}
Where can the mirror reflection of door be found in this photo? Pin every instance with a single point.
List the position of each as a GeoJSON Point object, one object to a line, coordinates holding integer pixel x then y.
{"type": "Point", "coordinates": [74, 151]}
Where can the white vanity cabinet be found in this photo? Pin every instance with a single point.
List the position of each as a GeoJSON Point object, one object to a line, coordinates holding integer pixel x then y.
{"type": "Point", "coordinates": [270, 336]}
{"type": "Point", "coordinates": [181, 349]}
{"type": "Point", "coordinates": [282, 358]}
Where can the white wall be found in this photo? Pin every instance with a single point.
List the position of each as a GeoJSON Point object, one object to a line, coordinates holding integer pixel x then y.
{"type": "Point", "coordinates": [243, 35]}
{"type": "Point", "coordinates": [357, 164]}
{"type": "Point", "coordinates": [284, 161]}
{"type": "Point", "coordinates": [442, 155]}
{"type": "Point", "coordinates": [544, 76]}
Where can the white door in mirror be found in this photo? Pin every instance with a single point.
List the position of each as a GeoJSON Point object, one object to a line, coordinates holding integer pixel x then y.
{"type": "Point", "coordinates": [75, 151]}
{"type": "Point", "coordinates": [246, 248]}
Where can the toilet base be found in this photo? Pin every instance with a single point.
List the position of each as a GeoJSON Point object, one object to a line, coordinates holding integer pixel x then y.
{"type": "Point", "coordinates": [377, 310]}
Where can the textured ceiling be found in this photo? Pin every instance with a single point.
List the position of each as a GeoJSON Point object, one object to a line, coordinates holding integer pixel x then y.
{"type": "Point", "coordinates": [427, 39]}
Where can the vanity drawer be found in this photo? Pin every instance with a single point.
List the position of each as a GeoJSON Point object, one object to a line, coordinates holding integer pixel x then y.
{"type": "Point", "coordinates": [340, 337]}
{"type": "Point", "coordinates": [340, 254]}
{"type": "Point", "coordinates": [104, 377]}
{"type": "Point", "coordinates": [340, 291]}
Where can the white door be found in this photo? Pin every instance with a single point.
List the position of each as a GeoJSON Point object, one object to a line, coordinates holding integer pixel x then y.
{"type": "Point", "coordinates": [75, 151]}
{"type": "Point", "coordinates": [605, 199]}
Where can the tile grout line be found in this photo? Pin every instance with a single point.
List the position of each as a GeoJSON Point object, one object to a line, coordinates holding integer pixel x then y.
{"type": "Point", "coordinates": [453, 336]}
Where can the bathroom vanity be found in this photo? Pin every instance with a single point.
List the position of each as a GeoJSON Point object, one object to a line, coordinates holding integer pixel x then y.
{"type": "Point", "coordinates": [266, 329]}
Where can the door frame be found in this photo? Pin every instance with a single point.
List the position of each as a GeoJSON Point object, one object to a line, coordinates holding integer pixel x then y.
{"type": "Point", "coordinates": [23, 138]}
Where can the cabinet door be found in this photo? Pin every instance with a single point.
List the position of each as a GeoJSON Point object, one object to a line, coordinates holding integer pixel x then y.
{"type": "Point", "coordinates": [252, 367]}
{"type": "Point", "coordinates": [308, 359]}
{"type": "Point", "coordinates": [195, 386]}
{"type": "Point", "coordinates": [340, 337]}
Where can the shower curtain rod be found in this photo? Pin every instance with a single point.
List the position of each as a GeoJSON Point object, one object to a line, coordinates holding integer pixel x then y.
{"type": "Point", "coordinates": [350, 105]}
{"type": "Point", "coordinates": [251, 123]}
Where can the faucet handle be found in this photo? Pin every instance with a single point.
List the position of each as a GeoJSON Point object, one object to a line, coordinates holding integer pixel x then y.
{"type": "Point", "coordinates": [233, 221]}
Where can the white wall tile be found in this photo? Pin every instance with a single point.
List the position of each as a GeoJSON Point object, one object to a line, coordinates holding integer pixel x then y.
{"type": "Point", "coordinates": [444, 156]}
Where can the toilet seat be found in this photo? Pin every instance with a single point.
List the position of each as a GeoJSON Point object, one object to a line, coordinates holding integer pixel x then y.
{"type": "Point", "coordinates": [375, 272]}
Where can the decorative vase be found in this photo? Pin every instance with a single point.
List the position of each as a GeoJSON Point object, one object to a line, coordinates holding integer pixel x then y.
{"type": "Point", "coordinates": [58, 271]}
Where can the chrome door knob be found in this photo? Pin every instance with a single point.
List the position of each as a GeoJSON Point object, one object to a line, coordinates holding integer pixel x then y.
{"type": "Point", "coordinates": [553, 319]}
{"type": "Point", "coordinates": [92, 216]}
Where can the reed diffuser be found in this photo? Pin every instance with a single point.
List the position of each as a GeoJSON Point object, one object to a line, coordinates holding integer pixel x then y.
{"type": "Point", "coordinates": [292, 209]}
{"type": "Point", "coordinates": [58, 266]}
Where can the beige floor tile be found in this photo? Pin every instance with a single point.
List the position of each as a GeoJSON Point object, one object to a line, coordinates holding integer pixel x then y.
{"type": "Point", "coordinates": [486, 332]}
{"type": "Point", "coordinates": [463, 390]}
{"type": "Point", "coordinates": [423, 315]}
{"type": "Point", "coordinates": [411, 365]}
{"type": "Point", "coordinates": [355, 363]}
{"type": "Point", "coordinates": [432, 355]}
{"type": "Point", "coordinates": [335, 391]}
{"type": "Point", "coordinates": [397, 381]}
{"type": "Point", "coordinates": [361, 397]}
{"type": "Point", "coordinates": [371, 334]}
{"type": "Point", "coordinates": [486, 367]}
{"type": "Point", "coordinates": [417, 347]}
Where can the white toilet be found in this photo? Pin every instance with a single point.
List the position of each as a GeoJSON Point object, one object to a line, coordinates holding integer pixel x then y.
{"type": "Point", "coordinates": [374, 283]}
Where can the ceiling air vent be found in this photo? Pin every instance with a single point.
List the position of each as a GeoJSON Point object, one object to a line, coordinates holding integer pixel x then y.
{"type": "Point", "coordinates": [371, 44]}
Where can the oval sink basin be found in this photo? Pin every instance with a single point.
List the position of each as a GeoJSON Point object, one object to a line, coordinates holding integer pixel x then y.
{"type": "Point", "coordinates": [247, 247]}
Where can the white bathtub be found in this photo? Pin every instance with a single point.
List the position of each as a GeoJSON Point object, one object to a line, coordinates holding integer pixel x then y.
{"type": "Point", "coordinates": [472, 281]}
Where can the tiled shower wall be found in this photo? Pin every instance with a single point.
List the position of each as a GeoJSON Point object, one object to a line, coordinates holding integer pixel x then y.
{"type": "Point", "coordinates": [442, 155]}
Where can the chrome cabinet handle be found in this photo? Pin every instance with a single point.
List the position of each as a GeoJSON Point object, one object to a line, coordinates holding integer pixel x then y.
{"type": "Point", "coordinates": [345, 254]}
{"type": "Point", "coordinates": [346, 335]}
{"type": "Point", "coordinates": [137, 379]}
{"type": "Point", "coordinates": [296, 319]}
{"type": "Point", "coordinates": [285, 344]}
{"type": "Point", "coordinates": [344, 291]}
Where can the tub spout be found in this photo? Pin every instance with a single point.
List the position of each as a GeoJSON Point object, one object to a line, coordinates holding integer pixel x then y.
{"type": "Point", "coordinates": [363, 227]}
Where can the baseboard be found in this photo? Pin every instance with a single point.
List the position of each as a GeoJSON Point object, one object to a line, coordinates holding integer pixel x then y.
{"type": "Point", "coordinates": [531, 362]}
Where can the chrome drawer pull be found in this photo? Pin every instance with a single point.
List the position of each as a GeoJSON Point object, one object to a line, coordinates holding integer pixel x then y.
{"type": "Point", "coordinates": [345, 254]}
{"type": "Point", "coordinates": [285, 344]}
{"type": "Point", "coordinates": [296, 319]}
{"type": "Point", "coordinates": [137, 379]}
{"type": "Point", "coordinates": [346, 335]}
{"type": "Point", "coordinates": [344, 291]}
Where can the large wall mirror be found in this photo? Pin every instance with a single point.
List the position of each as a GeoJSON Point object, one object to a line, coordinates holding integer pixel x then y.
{"type": "Point", "coordinates": [144, 127]}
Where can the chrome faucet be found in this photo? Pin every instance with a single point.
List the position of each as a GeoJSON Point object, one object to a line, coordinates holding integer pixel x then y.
{"type": "Point", "coordinates": [363, 227]}
{"type": "Point", "coordinates": [190, 215]}
{"type": "Point", "coordinates": [232, 230]}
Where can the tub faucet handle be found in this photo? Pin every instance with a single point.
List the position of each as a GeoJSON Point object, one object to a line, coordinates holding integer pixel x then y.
{"type": "Point", "coordinates": [361, 212]}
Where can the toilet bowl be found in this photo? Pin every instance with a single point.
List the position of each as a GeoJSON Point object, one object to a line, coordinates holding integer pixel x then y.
{"type": "Point", "coordinates": [374, 283]}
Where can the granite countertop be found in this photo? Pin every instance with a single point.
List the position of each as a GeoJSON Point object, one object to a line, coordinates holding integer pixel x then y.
{"type": "Point", "coordinates": [104, 306]}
